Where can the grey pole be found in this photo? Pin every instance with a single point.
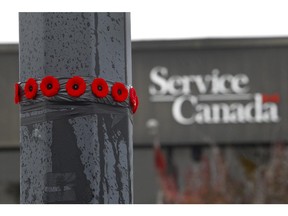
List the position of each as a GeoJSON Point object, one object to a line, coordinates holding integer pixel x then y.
{"type": "Point", "coordinates": [79, 157]}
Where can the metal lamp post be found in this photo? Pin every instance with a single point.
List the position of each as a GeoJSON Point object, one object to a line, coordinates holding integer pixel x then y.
{"type": "Point", "coordinates": [69, 153]}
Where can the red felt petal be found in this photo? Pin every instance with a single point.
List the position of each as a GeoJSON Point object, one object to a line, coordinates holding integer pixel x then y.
{"type": "Point", "coordinates": [100, 87]}
{"type": "Point", "coordinates": [31, 88]}
{"type": "Point", "coordinates": [134, 108]}
{"type": "Point", "coordinates": [81, 86]}
{"type": "Point", "coordinates": [17, 96]}
{"type": "Point", "coordinates": [134, 102]}
{"type": "Point", "coordinates": [54, 86]}
{"type": "Point", "coordinates": [119, 92]}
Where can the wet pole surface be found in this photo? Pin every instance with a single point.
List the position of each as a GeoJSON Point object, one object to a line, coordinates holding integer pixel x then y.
{"type": "Point", "coordinates": [84, 157]}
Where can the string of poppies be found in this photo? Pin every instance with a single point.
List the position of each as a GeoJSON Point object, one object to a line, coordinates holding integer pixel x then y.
{"type": "Point", "coordinates": [75, 87]}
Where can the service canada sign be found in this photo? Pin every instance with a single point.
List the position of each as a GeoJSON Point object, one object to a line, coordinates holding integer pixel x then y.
{"type": "Point", "coordinates": [213, 98]}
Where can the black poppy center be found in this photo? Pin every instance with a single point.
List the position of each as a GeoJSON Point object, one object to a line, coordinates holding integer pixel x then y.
{"type": "Point", "coordinates": [99, 87]}
{"type": "Point", "coordinates": [30, 88]}
{"type": "Point", "coordinates": [119, 91]}
{"type": "Point", "coordinates": [75, 86]}
{"type": "Point", "coordinates": [49, 86]}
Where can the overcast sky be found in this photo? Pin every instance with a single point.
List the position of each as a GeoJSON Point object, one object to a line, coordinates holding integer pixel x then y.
{"type": "Point", "coordinates": [167, 19]}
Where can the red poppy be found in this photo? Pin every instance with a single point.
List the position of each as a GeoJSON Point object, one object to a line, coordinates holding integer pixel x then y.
{"type": "Point", "coordinates": [100, 87]}
{"type": "Point", "coordinates": [134, 102]}
{"type": "Point", "coordinates": [76, 86]}
{"type": "Point", "coordinates": [17, 96]}
{"type": "Point", "coordinates": [119, 92]}
{"type": "Point", "coordinates": [31, 88]}
{"type": "Point", "coordinates": [49, 86]}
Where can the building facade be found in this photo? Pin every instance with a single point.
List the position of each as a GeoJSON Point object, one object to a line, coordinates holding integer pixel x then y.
{"type": "Point", "coordinates": [211, 125]}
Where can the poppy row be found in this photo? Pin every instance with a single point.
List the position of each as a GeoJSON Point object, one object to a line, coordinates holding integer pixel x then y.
{"type": "Point", "coordinates": [75, 87]}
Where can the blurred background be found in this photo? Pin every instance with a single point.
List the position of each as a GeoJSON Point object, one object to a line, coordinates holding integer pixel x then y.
{"type": "Point", "coordinates": [212, 83]}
